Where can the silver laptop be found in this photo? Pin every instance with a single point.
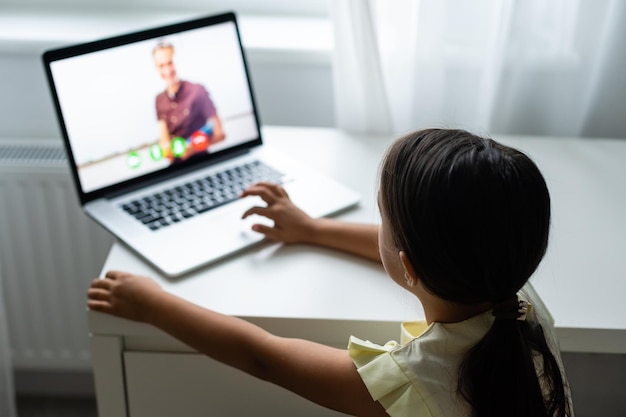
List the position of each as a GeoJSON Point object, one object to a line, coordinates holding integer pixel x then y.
{"type": "Point", "coordinates": [162, 135]}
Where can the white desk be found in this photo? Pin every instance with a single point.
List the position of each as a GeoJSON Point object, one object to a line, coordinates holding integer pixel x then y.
{"type": "Point", "coordinates": [321, 295]}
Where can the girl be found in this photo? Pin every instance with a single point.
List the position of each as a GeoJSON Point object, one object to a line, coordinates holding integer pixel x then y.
{"type": "Point", "coordinates": [465, 223]}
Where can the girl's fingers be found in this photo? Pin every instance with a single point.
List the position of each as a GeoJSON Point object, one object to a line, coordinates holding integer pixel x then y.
{"type": "Point", "coordinates": [261, 211]}
{"type": "Point", "coordinates": [269, 192]}
{"type": "Point", "coordinates": [265, 194]}
{"type": "Point", "coordinates": [100, 283]}
{"type": "Point", "coordinates": [98, 305]}
{"type": "Point", "coordinates": [269, 185]}
{"type": "Point", "coordinates": [275, 188]}
{"type": "Point", "coordinates": [268, 231]}
{"type": "Point", "coordinates": [115, 274]}
{"type": "Point", "coordinates": [97, 294]}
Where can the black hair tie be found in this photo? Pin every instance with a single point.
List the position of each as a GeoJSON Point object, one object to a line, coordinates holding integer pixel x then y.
{"type": "Point", "coordinates": [511, 308]}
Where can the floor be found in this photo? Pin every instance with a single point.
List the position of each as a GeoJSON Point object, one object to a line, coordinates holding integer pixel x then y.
{"type": "Point", "coordinates": [48, 393]}
{"type": "Point", "coordinates": [48, 406]}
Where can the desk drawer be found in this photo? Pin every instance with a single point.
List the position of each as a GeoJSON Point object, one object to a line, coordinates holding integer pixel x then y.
{"type": "Point", "coordinates": [190, 384]}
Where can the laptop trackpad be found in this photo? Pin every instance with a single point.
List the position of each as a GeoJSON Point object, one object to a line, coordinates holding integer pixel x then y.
{"type": "Point", "coordinates": [208, 237]}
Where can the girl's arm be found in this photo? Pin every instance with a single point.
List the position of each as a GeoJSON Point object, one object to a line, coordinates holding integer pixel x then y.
{"type": "Point", "coordinates": [314, 371]}
{"type": "Point", "coordinates": [292, 225]}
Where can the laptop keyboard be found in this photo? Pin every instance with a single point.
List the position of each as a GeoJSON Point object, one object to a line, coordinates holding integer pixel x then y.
{"type": "Point", "coordinates": [190, 199]}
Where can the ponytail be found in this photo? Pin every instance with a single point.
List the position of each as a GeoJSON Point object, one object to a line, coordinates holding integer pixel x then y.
{"type": "Point", "coordinates": [498, 376]}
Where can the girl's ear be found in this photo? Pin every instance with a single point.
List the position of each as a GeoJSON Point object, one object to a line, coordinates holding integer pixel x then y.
{"type": "Point", "coordinates": [409, 272]}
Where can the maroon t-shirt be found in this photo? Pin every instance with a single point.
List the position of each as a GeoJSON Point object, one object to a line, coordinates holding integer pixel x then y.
{"type": "Point", "coordinates": [187, 111]}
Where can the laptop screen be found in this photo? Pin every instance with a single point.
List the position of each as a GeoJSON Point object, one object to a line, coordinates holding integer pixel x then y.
{"type": "Point", "coordinates": [141, 104]}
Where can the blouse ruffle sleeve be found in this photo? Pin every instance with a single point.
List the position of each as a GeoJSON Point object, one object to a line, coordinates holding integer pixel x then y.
{"type": "Point", "coordinates": [385, 380]}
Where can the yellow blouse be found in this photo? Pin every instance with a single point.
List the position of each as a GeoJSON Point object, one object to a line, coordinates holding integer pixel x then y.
{"type": "Point", "coordinates": [418, 376]}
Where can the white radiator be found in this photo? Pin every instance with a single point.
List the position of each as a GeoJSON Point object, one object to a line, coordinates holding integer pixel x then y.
{"type": "Point", "coordinates": [49, 253]}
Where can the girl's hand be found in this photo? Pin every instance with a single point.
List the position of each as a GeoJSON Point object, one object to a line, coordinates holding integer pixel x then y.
{"type": "Point", "coordinates": [291, 225]}
{"type": "Point", "coordinates": [124, 295]}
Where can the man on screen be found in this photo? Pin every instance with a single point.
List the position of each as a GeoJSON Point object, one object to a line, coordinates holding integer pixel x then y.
{"type": "Point", "coordinates": [188, 120]}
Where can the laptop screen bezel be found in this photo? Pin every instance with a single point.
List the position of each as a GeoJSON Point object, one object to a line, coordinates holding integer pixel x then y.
{"type": "Point", "coordinates": [58, 54]}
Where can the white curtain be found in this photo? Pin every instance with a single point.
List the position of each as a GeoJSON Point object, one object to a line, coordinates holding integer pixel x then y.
{"type": "Point", "coordinates": [7, 395]}
{"type": "Point", "coordinates": [548, 67]}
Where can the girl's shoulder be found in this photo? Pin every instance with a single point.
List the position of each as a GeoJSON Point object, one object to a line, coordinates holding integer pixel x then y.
{"type": "Point", "coordinates": [418, 373]}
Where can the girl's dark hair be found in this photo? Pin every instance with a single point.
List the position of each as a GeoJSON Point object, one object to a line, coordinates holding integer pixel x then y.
{"type": "Point", "coordinates": [473, 218]}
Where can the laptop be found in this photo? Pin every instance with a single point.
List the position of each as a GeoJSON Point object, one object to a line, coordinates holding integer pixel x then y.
{"type": "Point", "coordinates": [162, 134]}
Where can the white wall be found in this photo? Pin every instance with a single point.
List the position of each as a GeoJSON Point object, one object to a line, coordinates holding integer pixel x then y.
{"type": "Point", "coordinates": [25, 105]}
{"type": "Point", "coordinates": [291, 87]}
{"type": "Point", "coordinates": [286, 94]}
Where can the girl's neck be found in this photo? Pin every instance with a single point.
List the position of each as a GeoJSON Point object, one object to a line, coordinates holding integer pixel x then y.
{"type": "Point", "coordinates": [443, 311]}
